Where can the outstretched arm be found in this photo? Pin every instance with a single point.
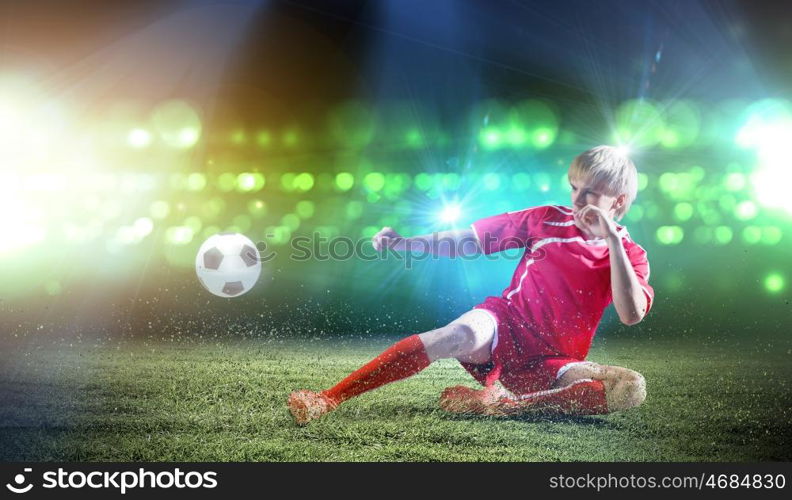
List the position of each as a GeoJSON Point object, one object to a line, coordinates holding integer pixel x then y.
{"type": "Point", "coordinates": [461, 242]}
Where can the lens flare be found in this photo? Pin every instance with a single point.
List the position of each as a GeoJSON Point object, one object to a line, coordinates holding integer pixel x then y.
{"type": "Point", "coordinates": [450, 213]}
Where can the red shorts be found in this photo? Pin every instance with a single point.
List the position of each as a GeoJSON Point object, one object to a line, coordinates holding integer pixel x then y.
{"type": "Point", "coordinates": [522, 361]}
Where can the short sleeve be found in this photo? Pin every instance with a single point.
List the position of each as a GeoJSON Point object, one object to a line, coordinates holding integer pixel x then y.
{"type": "Point", "coordinates": [640, 264]}
{"type": "Point", "coordinates": [506, 231]}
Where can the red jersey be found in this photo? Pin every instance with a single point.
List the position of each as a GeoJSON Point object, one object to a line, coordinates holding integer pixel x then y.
{"type": "Point", "coordinates": [562, 284]}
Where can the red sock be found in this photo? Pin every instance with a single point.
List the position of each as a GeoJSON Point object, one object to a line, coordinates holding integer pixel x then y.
{"type": "Point", "coordinates": [401, 360]}
{"type": "Point", "coordinates": [585, 397]}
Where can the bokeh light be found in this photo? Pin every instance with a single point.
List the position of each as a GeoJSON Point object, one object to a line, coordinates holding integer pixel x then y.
{"type": "Point", "coordinates": [177, 124]}
{"type": "Point", "coordinates": [774, 282]}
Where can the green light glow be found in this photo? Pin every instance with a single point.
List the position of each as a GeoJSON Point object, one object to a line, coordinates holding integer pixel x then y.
{"type": "Point", "coordinates": [635, 213]}
{"type": "Point", "coordinates": [521, 181]}
{"type": "Point", "coordinates": [246, 182]}
{"type": "Point", "coordinates": [354, 209]}
{"type": "Point", "coordinates": [668, 182]}
{"type": "Point", "coordinates": [263, 139]}
{"type": "Point", "coordinates": [677, 185]}
{"type": "Point", "coordinates": [543, 137]}
{"type": "Point", "coordinates": [210, 231]}
{"type": "Point", "coordinates": [213, 207]}
{"type": "Point", "coordinates": [139, 138]}
{"type": "Point", "coordinates": [389, 221]}
{"type": "Point", "coordinates": [344, 181]}
{"type": "Point", "coordinates": [542, 181]}
{"type": "Point", "coordinates": [711, 217]}
{"type": "Point", "coordinates": [242, 222]}
{"type": "Point", "coordinates": [643, 181]}
{"type": "Point", "coordinates": [287, 181]}
{"type": "Point", "coordinates": [305, 209]}
{"type": "Point", "coordinates": [142, 227]}
{"type": "Point", "coordinates": [451, 181]}
{"type": "Point", "coordinates": [226, 182]}
{"type": "Point", "coordinates": [723, 235]}
{"type": "Point", "coordinates": [177, 124]}
{"type": "Point", "coordinates": [745, 210]}
{"type": "Point", "coordinates": [682, 125]}
{"type": "Point", "coordinates": [674, 281]}
{"type": "Point", "coordinates": [352, 124]}
{"type": "Point", "coordinates": [194, 223]}
{"type": "Point", "coordinates": [238, 137]}
{"type": "Point", "coordinates": [771, 235]}
{"type": "Point", "coordinates": [683, 211]}
{"type": "Point", "coordinates": [423, 181]}
{"type": "Point", "coordinates": [727, 202]}
{"type": "Point", "coordinates": [490, 137]}
{"type": "Point", "coordinates": [257, 208]}
{"type": "Point", "coordinates": [516, 136]}
{"type": "Point", "coordinates": [290, 138]}
{"type": "Point", "coordinates": [159, 209]}
{"type": "Point", "coordinates": [327, 231]}
{"type": "Point", "coordinates": [277, 235]}
{"type": "Point", "coordinates": [179, 235]}
{"type": "Point", "coordinates": [734, 181]}
{"type": "Point", "coordinates": [304, 181]}
{"type": "Point", "coordinates": [669, 139]}
{"type": "Point", "coordinates": [703, 234]}
{"type": "Point", "coordinates": [414, 138]}
{"type": "Point", "coordinates": [638, 123]}
{"type": "Point", "coordinates": [540, 119]}
{"type": "Point", "coordinates": [292, 221]}
{"type": "Point", "coordinates": [374, 181]}
{"type": "Point", "coordinates": [774, 282]}
{"type": "Point", "coordinates": [751, 234]}
{"type": "Point", "coordinates": [696, 173]}
{"type": "Point", "coordinates": [669, 235]}
{"type": "Point", "coordinates": [196, 181]}
{"type": "Point", "coordinates": [491, 182]}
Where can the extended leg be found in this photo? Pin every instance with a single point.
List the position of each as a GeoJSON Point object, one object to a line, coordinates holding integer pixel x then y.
{"type": "Point", "coordinates": [467, 338]}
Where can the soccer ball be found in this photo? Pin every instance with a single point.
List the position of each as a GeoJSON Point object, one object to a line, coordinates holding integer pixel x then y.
{"type": "Point", "coordinates": [228, 264]}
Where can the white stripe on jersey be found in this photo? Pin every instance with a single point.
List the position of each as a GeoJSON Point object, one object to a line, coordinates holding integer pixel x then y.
{"type": "Point", "coordinates": [598, 242]}
{"type": "Point", "coordinates": [563, 210]}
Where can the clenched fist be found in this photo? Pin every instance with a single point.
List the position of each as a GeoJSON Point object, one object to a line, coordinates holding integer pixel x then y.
{"type": "Point", "coordinates": [386, 238]}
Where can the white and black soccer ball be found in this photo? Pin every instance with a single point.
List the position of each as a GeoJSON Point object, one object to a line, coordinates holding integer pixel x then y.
{"type": "Point", "coordinates": [228, 264]}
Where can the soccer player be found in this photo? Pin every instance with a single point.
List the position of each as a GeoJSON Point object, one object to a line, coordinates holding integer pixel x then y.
{"type": "Point", "coordinates": [534, 338]}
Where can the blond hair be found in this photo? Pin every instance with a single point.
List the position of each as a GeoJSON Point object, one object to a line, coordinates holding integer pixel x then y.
{"type": "Point", "coordinates": [610, 170]}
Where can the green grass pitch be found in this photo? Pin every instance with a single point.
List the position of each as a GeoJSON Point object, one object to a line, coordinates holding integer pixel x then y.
{"type": "Point", "coordinates": [226, 402]}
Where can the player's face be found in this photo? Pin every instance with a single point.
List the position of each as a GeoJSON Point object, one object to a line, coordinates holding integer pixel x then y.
{"type": "Point", "coordinates": [584, 193]}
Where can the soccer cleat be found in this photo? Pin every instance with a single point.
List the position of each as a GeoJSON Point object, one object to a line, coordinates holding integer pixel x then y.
{"type": "Point", "coordinates": [308, 405]}
{"type": "Point", "coordinates": [461, 399]}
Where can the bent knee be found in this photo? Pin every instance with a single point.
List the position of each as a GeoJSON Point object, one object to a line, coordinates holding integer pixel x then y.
{"type": "Point", "coordinates": [627, 392]}
{"type": "Point", "coordinates": [449, 341]}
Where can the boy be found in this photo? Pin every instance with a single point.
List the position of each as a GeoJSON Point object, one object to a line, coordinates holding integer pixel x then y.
{"type": "Point", "coordinates": [534, 338]}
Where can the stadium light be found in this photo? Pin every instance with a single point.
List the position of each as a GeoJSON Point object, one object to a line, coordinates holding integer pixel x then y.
{"type": "Point", "coordinates": [450, 213]}
{"type": "Point", "coordinates": [139, 138]}
{"type": "Point", "coordinates": [774, 282]}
